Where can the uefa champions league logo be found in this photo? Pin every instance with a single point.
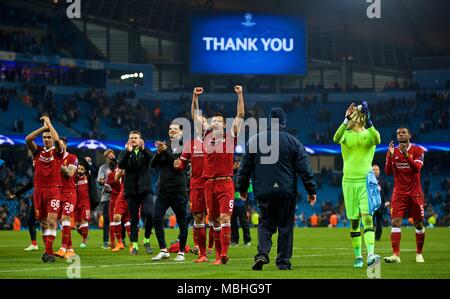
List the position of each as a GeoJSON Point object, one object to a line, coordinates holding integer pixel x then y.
{"type": "Point", "coordinates": [6, 140]}
{"type": "Point", "coordinates": [92, 144]}
{"type": "Point", "coordinates": [248, 20]}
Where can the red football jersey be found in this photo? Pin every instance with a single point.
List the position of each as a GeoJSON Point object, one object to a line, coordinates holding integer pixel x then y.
{"type": "Point", "coordinates": [82, 188]}
{"type": "Point", "coordinates": [193, 151]}
{"type": "Point", "coordinates": [69, 183]}
{"type": "Point", "coordinates": [47, 167]}
{"type": "Point", "coordinates": [406, 171]}
{"type": "Point", "coordinates": [219, 155]}
{"type": "Point", "coordinates": [115, 186]}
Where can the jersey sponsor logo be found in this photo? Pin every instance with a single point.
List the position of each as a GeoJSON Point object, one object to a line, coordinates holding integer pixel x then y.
{"type": "Point", "coordinates": [275, 185]}
{"type": "Point", "coordinates": [46, 159]}
{"type": "Point", "coordinates": [83, 182]}
{"type": "Point", "coordinates": [402, 165]}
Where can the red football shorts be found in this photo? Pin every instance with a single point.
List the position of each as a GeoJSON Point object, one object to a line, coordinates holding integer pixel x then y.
{"type": "Point", "coordinates": [46, 200]}
{"type": "Point", "coordinates": [219, 195]}
{"type": "Point", "coordinates": [121, 208]}
{"type": "Point", "coordinates": [197, 200]}
{"type": "Point", "coordinates": [412, 206]}
{"type": "Point", "coordinates": [68, 204]}
{"type": "Point", "coordinates": [83, 210]}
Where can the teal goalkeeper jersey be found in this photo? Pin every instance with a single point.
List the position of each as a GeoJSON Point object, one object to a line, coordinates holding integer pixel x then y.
{"type": "Point", "coordinates": [358, 149]}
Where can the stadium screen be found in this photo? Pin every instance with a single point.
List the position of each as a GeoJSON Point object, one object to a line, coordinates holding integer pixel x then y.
{"type": "Point", "coordinates": [247, 43]}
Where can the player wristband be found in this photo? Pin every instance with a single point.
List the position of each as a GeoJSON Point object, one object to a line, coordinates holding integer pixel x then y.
{"type": "Point", "coordinates": [345, 121]}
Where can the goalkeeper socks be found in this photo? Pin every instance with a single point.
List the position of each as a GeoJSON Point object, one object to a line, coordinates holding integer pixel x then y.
{"type": "Point", "coordinates": [135, 245]}
{"type": "Point", "coordinates": [396, 236]}
{"type": "Point", "coordinates": [225, 237]}
{"type": "Point", "coordinates": [356, 242]}
{"type": "Point", "coordinates": [420, 239]}
{"type": "Point", "coordinates": [369, 233]}
{"type": "Point", "coordinates": [146, 240]}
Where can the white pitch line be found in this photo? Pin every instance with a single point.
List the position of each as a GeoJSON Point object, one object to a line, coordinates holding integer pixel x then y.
{"type": "Point", "coordinates": [151, 263]}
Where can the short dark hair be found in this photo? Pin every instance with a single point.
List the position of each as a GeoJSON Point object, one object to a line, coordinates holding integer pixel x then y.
{"type": "Point", "coordinates": [135, 132]}
{"type": "Point", "coordinates": [85, 164]}
{"type": "Point", "coordinates": [405, 127]}
{"type": "Point", "coordinates": [63, 139]}
{"type": "Point", "coordinates": [46, 131]}
{"type": "Point", "coordinates": [218, 114]}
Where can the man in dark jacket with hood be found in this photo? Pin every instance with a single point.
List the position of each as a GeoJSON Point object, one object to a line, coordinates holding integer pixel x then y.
{"type": "Point", "coordinates": [275, 187]}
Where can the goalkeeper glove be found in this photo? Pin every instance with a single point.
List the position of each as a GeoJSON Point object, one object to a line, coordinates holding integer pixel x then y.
{"type": "Point", "coordinates": [366, 112]}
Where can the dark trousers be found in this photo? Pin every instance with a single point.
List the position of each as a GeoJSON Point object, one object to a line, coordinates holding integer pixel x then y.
{"type": "Point", "coordinates": [134, 203]}
{"type": "Point", "coordinates": [276, 212]}
{"type": "Point", "coordinates": [240, 213]}
{"type": "Point", "coordinates": [105, 205]}
{"type": "Point", "coordinates": [378, 218]}
{"type": "Point", "coordinates": [31, 222]}
{"type": "Point", "coordinates": [177, 202]}
{"type": "Point", "coordinates": [147, 215]}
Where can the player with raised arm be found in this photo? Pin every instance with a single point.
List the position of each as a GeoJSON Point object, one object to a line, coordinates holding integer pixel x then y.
{"type": "Point", "coordinates": [193, 152]}
{"type": "Point", "coordinates": [219, 148]}
{"type": "Point", "coordinates": [68, 200]}
{"type": "Point", "coordinates": [358, 149]}
{"type": "Point", "coordinates": [47, 182]}
{"type": "Point", "coordinates": [405, 163]}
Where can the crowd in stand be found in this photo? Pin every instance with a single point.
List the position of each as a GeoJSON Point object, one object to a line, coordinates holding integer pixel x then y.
{"type": "Point", "coordinates": [22, 41]}
{"type": "Point", "coordinates": [47, 75]}
{"type": "Point", "coordinates": [6, 94]}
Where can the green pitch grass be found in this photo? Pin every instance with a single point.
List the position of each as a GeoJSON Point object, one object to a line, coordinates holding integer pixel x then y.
{"type": "Point", "coordinates": [318, 253]}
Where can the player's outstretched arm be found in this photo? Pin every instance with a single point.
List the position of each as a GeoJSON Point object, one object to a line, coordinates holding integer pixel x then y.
{"type": "Point", "coordinates": [238, 120]}
{"type": "Point", "coordinates": [32, 136]}
{"type": "Point", "coordinates": [195, 110]}
{"type": "Point", "coordinates": [53, 133]}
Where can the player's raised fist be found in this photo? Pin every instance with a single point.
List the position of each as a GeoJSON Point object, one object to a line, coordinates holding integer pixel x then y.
{"type": "Point", "coordinates": [198, 91]}
{"type": "Point", "coordinates": [45, 119]}
{"type": "Point", "coordinates": [238, 89]}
